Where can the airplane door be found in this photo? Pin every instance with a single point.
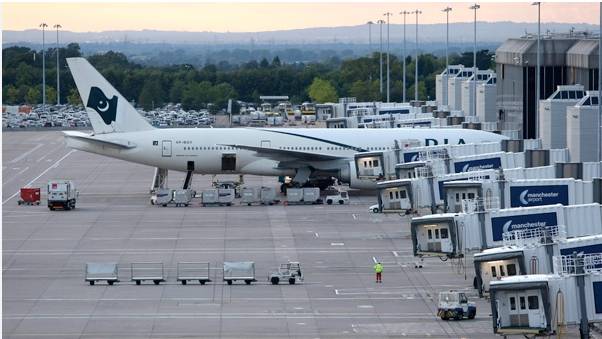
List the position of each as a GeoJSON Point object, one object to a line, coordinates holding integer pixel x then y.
{"type": "Point", "coordinates": [166, 148]}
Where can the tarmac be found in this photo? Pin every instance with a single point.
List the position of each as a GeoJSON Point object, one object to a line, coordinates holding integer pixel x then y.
{"type": "Point", "coordinates": [44, 254]}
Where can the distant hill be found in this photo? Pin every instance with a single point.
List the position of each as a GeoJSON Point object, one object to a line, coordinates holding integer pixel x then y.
{"type": "Point", "coordinates": [429, 33]}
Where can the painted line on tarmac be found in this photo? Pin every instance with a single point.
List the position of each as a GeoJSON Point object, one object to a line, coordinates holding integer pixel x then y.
{"type": "Point", "coordinates": [41, 174]}
{"type": "Point", "coordinates": [26, 154]}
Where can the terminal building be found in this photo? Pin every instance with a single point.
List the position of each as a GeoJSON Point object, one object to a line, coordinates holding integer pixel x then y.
{"type": "Point", "coordinates": [566, 59]}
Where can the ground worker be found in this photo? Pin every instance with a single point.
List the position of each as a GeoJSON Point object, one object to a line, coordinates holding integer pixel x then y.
{"type": "Point", "coordinates": [378, 268]}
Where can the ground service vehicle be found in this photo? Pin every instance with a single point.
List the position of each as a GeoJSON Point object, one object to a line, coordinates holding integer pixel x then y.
{"type": "Point", "coordinates": [290, 271]}
{"type": "Point", "coordinates": [455, 305]}
{"type": "Point", "coordinates": [61, 194]}
{"type": "Point", "coordinates": [340, 198]}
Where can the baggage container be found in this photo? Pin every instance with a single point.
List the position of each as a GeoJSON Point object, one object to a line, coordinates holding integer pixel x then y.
{"type": "Point", "coordinates": [209, 197]}
{"type": "Point", "coordinates": [268, 195]}
{"type": "Point", "coordinates": [226, 196]}
{"type": "Point", "coordinates": [183, 197]}
{"type": "Point", "coordinates": [311, 195]}
{"type": "Point", "coordinates": [142, 271]}
{"type": "Point", "coordinates": [164, 197]}
{"type": "Point", "coordinates": [250, 195]}
{"type": "Point", "coordinates": [102, 272]}
{"type": "Point", "coordinates": [193, 271]}
{"type": "Point", "coordinates": [294, 195]}
{"type": "Point", "coordinates": [29, 196]}
{"type": "Point", "coordinates": [239, 270]}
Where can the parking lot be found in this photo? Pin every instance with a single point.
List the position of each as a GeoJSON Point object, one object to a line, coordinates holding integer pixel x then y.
{"type": "Point", "coordinates": [44, 253]}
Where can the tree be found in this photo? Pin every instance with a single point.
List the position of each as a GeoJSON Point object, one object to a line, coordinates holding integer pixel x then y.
{"type": "Point", "coordinates": [276, 61]}
{"type": "Point", "coordinates": [33, 95]}
{"type": "Point", "coordinates": [151, 95]}
{"type": "Point", "coordinates": [74, 98]}
{"type": "Point", "coordinates": [322, 91]}
{"type": "Point", "coordinates": [50, 95]}
{"type": "Point", "coordinates": [12, 95]}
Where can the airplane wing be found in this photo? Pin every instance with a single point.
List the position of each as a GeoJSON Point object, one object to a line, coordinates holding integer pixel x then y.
{"type": "Point", "coordinates": [121, 144]}
{"type": "Point", "coordinates": [286, 155]}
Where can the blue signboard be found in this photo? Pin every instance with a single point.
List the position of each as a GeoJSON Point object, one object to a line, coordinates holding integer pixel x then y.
{"type": "Point", "coordinates": [410, 156]}
{"type": "Point", "coordinates": [501, 225]}
{"type": "Point", "coordinates": [523, 196]}
{"type": "Point", "coordinates": [588, 249]}
{"type": "Point", "coordinates": [478, 164]}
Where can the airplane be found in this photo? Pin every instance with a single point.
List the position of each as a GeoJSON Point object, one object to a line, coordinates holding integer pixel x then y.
{"type": "Point", "coordinates": [311, 156]}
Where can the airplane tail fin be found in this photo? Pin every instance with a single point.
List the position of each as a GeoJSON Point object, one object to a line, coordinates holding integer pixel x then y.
{"type": "Point", "coordinates": [108, 110]}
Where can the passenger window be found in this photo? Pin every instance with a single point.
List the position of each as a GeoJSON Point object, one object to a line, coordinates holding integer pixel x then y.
{"type": "Point", "coordinates": [493, 272]}
{"type": "Point", "coordinates": [430, 234]}
{"type": "Point", "coordinates": [564, 95]}
{"type": "Point", "coordinates": [470, 195]}
{"type": "Point", "coordinates": [444, 234]}
{"type": "Point", "coordinates": [533, 302]}
{"type": "Point", "coordinates": [457, 197]}
{"type": "Point", "coordinates": [522, 303]}
{"type": "Point", "coordinates": [402, 194]}
{"type": "Point", "coordinates": [437, 234]}
{"type": "Point", "coordinates": [391, 195]}
{"type": "Point", "coordinates": [511, 268]}
{"type": "Point", "coordinates": [463, 299]}
{"type": "Point", "coordinates": [397, 195]}
{"type": "Point", "coordinates": [572, 95]}
{"type": "Point", "coordinates": [375, 163]}
{"type": "Point", "coordinates": [502, 272]}
{"type": "Point", "coordinates": [512, 303]}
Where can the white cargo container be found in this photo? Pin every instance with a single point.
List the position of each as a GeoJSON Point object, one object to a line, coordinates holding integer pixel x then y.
{"type": "Point", "coordinates": [225, 196]}
{"type": "Point", "coordinates": [294, 195]}
{"type": "Point", "coordinates": [267, 195]}
{"type": "Point", "coordinates": [468, 232]}
{"type": "Point", "coordinates": [209, 197]}
{"type": "Point", "coordinates": [532, 257]}
{"type": "Point", "coordinates": [311, 195]}
{"type": "Point", "coordinates": [250, 195]}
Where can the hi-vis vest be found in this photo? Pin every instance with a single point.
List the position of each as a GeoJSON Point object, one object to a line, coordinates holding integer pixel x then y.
{"type": "Point", "coordinates": [378, 268]}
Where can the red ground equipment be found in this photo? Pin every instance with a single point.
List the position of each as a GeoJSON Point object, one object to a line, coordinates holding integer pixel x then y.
{"type": "Point", "coordinates": [29, 196]}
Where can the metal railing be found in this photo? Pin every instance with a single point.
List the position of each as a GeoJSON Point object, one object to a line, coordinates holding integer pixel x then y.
{"type": "Point", "coordinates": [480, 204]}
{"type": "Point", "coordinates": [534, 236]}
{"type": "Point", "coordinates": [569, 264]}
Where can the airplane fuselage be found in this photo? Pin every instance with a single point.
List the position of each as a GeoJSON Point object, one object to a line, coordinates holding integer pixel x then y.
{"type": "Point", "coordinates": [174, 149]}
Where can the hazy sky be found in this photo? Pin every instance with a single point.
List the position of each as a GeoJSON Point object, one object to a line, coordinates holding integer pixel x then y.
{"type": "Point", "coordinates": [251, 17]}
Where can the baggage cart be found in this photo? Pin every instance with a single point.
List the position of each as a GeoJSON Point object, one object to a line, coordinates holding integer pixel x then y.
{"type": "Point", "coordinates": [239, 270]}
{"type": "Point", "coordinates": [102, 272]}
{"type": "Point", "coordinates": [225, 196]}
{"type": "Point", "coordinates": [209, 197]}
{"type": "Point", "coordinates": [193, 271]}
{"type": "Point", "coordinates": [29, 196]}
{"type": "Point", "coordinates": [164, 197]}
{"type": "Point", "coordinates": [183, 197]}
{"type": "Point", "coordinates": [267, 195]}
{"type": "Point", "coordinates": [142, 271]}
{"type": "Point", "coordinates": [250, 195]}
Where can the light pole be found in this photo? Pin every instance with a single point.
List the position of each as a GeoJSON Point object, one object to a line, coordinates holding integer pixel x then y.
{"type": "Point", "coordinates": [58, 73]}
{"type": "Point", "coordinates": [538, 74]}
{"type": "Point", "coordinates": [446, 10]}
{"type": "Point", "coordinates": [388, 14]}
{"type": "Point", "coordinates": [380, 24]}
{"type": "Point", "coordinates": [403, 54]}
{"type": "Point", "coordinates": [416, 62]}
{"type": "Point", "coordinates": [474, 60]}
{"type": "Point", "coordinates": [370, 23]}
{"type": "Point", "coordinates": [43, 25]}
